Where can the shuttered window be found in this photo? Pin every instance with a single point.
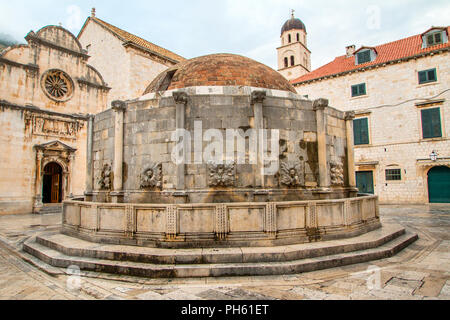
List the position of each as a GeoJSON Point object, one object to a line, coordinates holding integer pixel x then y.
{"type": "Point", "coordinates": [361, 131]}
{"type": "Point", "coordinates": [363, 57]}
{"type": "Point", "coordinates": [431, 123]}
{"type": "Point", "coordinates": [434, 39]}
{"type": "Point", "coordinates": [427, 76]}
{"type": "Point", "coordinates": [359, 90]}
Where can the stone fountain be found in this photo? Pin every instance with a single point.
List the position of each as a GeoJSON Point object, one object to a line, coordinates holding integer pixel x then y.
{"type": "Point", "coordinates": [220, 161]}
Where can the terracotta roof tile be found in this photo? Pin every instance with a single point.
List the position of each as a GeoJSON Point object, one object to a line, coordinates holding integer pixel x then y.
{"type": "Point", "coordinates": [126, 36]}
{"type": "Point", "coordinates": [392, 51]}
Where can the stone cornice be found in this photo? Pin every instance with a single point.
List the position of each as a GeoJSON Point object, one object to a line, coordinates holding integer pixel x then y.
{"type": "Point", "coordinates": [31, 67]}
{"type": "Point", "coordinates": [91, 84]}
{"type": "Point", "coordinates": [292, 43]}
{"type": "Point", "coordinates": [6, 104]}
{"type": "Point", "coordinates": [378, 65]}
{"type": "Point", "coordinates": [32, 37]}
{"type": "Point", "coordinates": [160, 56]}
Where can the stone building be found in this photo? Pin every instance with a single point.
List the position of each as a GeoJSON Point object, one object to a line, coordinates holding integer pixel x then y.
{"type": "Point", "coordinates": [47, 92]}
{"type": "Point", "coordinates": [136, 61]}
{"type": "Point", "coordinates": [294, 57]}
{"type": "Point", "coordinates": [400, 94]}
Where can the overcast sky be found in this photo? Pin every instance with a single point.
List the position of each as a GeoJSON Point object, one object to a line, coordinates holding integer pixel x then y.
{"type": "Point", "coordinates": [248, 27]}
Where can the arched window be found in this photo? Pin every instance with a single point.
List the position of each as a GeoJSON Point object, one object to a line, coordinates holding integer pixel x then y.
{"type": "Point", "coordinates": [289, 38]}
{"type": "Point", "coordinates": [292, 60]}
{"type": "Point", "coordinates": [298, 37]}
{"type": "Point", "coordinates": [286, 62]}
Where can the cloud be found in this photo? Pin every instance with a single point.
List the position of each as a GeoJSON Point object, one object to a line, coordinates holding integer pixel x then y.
{"type": "Point", "coordinates": [75, 19]}
{"type": "Point", "coordinates": [248, 27]}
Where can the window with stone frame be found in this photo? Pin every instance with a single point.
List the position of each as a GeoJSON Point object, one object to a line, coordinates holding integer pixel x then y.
{"type": "Point", "coordinates": [361, 131]}
{"type": "Point", "coordinates": [431, 123]}
{"type": "Point", "coordinates": [359, 90]}
{"type": "Point", "coordinates": [393, 174]}
{"type": "Point", "coordinates": [292, 60]}
{"type": "Point", "coordinates": [286, 62]}
{"type": "Point", "coordinates": [427, 76]}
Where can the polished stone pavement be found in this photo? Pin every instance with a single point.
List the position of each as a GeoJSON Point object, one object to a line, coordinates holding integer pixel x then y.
{"type": "Point", "coordinates": [421, 271]}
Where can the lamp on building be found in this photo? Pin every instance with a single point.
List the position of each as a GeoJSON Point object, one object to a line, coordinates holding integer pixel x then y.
{"type": "Point", "coordinates": [433, 156]}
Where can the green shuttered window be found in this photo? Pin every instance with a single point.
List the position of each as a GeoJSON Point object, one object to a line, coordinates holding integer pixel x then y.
{"type": "Point", "coordinates": [361, 131]}
{"type": "Point", "coordinates": [363, 57]}
{"type": "Point", "coordinates": [431, 123]}
{"type": "Point", "coordinates": [427, 76]}
{"type": "Point", "coordinates": [359, 90]}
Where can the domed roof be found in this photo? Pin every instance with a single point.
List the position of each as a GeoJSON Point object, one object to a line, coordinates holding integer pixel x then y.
{"type": "Point", "coordinates": [219, 70]}
{"type": "Point", "coordinates": [293, 24]}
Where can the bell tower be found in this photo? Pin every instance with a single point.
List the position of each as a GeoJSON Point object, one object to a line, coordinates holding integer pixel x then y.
{"type": "Point", "coordinates": [294, 57]}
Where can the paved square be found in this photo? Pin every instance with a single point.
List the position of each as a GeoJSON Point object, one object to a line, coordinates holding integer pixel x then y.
{"type": "Point", "coordinates": [421, 271]}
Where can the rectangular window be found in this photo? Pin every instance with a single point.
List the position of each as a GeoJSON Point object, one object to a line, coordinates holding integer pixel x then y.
{"type": "Point", "coordinates": [431, 123]}
{"type": "Point", "coordinates": [361, 131]}
{"type": "Point", "coordinates": [363, 57]}
{"type": "Point", "coordinates": [359, 90]}
{"type": "Point", "coordinates": [434, 39]}
{"type": "Point", "coordinates": [393, 174]}
{"type": "Point", "coordinates": [427, 76]}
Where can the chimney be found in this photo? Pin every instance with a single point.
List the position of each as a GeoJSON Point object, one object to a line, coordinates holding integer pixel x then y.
{"type": "Point", "coordinates": [93, 12]}
{"type": "Point", "coordinates": [350, 50]}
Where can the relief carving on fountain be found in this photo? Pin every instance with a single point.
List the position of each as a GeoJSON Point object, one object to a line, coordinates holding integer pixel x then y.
{"type": "Point", "coordinates": [292, 173]}
{"type": "Point", "coordinates": [151, 177]}
{"type": "Point", "coordinates": [337, 174]}
{"type": "Point", "coordinates": [222, 175]}
{"type": "Point", "coordinates": [105, 177]}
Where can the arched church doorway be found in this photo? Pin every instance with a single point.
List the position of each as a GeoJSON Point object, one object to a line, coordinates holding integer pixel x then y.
{"type": "Point", "coordinates": [439, 185]}
{"type": "Point", "coordinates": [52, 184]}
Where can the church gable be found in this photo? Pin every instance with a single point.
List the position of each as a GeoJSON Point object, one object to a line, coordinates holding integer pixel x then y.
{"type": "Point", "coordinates": [51, 72]}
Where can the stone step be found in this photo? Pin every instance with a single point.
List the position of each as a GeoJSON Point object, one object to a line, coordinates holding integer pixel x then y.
{"type": "Point", "coordinates": [58, 259]}
{"type": "Point", "coordinates": [51, 209]}
{"type": "Point", "coordinates": [71, 246]}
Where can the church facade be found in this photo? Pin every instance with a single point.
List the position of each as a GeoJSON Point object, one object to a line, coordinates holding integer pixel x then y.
{"type": "Point", "coordinates": [50, 89]}
{"type": "Point", "coordinates": [48, 92]}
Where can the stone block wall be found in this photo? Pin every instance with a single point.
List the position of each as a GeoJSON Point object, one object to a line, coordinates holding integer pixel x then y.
{"type": "Point", "coordinates": [149, 125]}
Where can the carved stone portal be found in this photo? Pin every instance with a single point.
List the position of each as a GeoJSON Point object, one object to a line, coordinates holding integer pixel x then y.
{"type": "Point", "coordinates": [152, 177]}
{"type": "Point", "coordinates": [337, 174]}
{"type": "Point", "coordinates": [222, 175]}
{"type": "Point", "coordinates": [292, 174]}
{"type": "Point", "coordinates": [105, 178]}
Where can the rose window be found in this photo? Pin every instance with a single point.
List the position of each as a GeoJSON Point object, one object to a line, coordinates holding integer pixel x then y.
{"type": "Point", "coordinates": [57, 85]}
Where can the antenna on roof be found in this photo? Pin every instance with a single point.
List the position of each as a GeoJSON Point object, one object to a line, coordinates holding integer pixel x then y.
{"type": "Point", "coordinates": [93, 12]}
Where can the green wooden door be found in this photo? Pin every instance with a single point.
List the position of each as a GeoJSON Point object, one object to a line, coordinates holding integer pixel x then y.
{"type": "Point", "coordinates": [439, 185]}
{"type": "Point", "coordinates": [364, 182]}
